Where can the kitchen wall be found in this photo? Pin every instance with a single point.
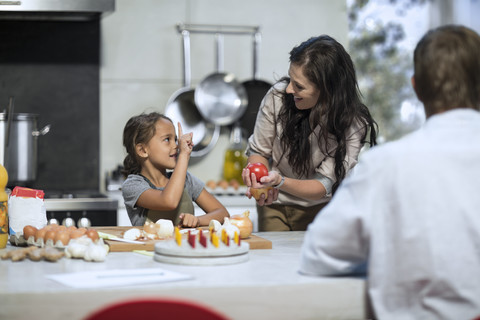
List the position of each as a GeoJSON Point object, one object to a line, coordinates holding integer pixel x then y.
{"type": "Point", "coordinates": [141, 57]}
{"type": "Point", "coordinates": [52, 70]}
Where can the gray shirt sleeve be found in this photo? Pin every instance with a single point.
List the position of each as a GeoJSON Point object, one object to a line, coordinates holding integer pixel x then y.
{"type": "Point", "coordinates": [132, 188]}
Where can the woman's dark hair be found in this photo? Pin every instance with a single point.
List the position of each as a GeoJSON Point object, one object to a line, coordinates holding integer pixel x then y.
{"type": "Point", "coordinates": [328, 66]}
{"type": "Point", "coordinates": [447, 69]}
{"type": "Point", "coordinates": [139, 129]}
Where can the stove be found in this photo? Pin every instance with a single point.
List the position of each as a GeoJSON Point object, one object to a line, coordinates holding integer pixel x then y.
{"type": "Point", "coordinates": [97, 207]}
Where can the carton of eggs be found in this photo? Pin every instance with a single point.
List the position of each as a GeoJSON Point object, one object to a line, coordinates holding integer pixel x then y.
{"type": "Point", "coordinates": [54, 235]}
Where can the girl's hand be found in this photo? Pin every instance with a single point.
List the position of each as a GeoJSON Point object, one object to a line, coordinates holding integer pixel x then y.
{"type": "Point", "coordinates": [188, 220]}
{"type": "Point", "coordinates": [185, 142]}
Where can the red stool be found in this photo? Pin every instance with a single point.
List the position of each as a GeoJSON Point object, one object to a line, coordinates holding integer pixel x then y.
{"type": "Point", "coordinates": [155, 309]}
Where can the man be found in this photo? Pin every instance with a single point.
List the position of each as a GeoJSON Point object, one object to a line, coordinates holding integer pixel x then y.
{"type": "Point", "coordinates": [411, 210]}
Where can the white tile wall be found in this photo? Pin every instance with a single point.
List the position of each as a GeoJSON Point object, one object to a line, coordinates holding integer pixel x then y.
{"type": "Point", "coordinates": [142, 56]}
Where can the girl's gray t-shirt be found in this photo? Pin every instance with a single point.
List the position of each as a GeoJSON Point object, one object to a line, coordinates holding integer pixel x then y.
{"type": "Point", "coordinates": [136, 184]}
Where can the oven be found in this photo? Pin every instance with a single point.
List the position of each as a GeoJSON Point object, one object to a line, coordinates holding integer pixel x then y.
{"type": "Point", "coordinates": [95, 208]}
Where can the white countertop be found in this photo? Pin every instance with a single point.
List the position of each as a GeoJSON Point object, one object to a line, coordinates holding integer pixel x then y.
{"type": "Point", "coordinates": [267, 286]}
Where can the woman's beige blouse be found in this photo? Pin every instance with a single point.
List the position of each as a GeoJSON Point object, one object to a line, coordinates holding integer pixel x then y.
{"type": "Point", "coordinates": [265, 141]}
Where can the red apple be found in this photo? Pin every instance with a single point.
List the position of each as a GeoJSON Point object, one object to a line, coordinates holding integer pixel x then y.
{"type": "Point", "coordinates": [259, 169]}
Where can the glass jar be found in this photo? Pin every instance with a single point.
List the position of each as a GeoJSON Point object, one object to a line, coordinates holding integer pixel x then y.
{"type": "Point", "coordinates": [235, 158]}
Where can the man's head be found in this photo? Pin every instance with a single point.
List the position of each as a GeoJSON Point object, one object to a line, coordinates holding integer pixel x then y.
{"type": "Point", "coordinates": [447, 69]}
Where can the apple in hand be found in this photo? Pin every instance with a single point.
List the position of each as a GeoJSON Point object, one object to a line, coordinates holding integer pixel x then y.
{"type": "Point", "coordinates": [259, 169]}
{"type": "Point", "coordinates": [257, 193]}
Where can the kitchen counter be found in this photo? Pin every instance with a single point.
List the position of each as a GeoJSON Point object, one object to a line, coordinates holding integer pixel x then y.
{"type": "Point", "coordinates": [267, 286]}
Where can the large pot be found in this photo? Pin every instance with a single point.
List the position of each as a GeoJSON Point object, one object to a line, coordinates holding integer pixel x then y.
{"type": "Point", "coordinates": [18, 146]}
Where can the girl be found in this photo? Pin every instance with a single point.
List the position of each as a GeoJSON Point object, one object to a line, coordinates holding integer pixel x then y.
{"type": "Point", "coordinates": [151, 191]}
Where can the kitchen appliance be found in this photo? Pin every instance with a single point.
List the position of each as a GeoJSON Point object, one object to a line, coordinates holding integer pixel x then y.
{"type": "Point", "coordinates": [98, 208]}
{"type": "Point", "coordinates": [69, 10]}
{"type": "Point", "coordinates": [18, 145]}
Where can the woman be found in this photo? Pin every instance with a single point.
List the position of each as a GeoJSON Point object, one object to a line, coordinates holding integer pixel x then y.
{"type": "Point", "coordinates": [309, 130]}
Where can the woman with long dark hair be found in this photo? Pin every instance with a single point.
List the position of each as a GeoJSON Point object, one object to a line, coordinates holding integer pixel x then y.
{"type": "Point", "coordinates": [309, 131]}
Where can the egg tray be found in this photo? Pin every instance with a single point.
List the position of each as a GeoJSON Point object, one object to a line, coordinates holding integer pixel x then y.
{"type": "Point", "coordinates": [19, 241]}
{"type": "Point", "coordinates": [229, 191]}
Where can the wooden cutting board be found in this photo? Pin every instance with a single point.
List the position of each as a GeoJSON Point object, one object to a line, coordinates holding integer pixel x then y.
{"type": "Point", "coordinates": [254, 241]}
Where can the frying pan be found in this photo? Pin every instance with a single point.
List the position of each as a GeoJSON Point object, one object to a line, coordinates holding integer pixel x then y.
{"type": "Point", "coordinates": [220, 98]}
{"type": "Point", "coordinates": [181, 108]}
{"type": "Point", "coordinates": [256, 90]}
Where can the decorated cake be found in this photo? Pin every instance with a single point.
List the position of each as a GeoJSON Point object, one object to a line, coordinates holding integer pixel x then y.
{"type": "Point", "coordinates": [204, 247]}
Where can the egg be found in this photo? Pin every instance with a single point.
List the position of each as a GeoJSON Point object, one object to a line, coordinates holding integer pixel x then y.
{"type": "Point", "coordinates": [51, 227]}
{"type": "Point", "coordinates": [63, 237]}
{"type": "Point", "coordinates": [211, 184]}
{"type": "Point", "coordinates": [29, 231]}
{"type": "Point", "coordinates": [71, 229]}
{"type": "Point", "coordinates": [223, 184]}
{"type": "Point", "coordinates": [83, 229]}
{"type": "Point", "coordinates": [50, 235]}
{"type": "Point", "coordinates": [61, 229]}
{"type": "Point", "coordinates": [234, 183]}
{"type": "Point", "coordinates": [40, 234]}
{"type": "Point", "coordinates": [77, 233]}
{"type": "Point", "coordinates": [92, 234]}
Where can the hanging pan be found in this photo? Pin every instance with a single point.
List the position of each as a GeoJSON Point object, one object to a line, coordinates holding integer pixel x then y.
{"type": "Point", "coordinates": [256, 90]}
{"type": "Point", "coordinates": [181, 108]}
{"type": "Point", "coordinates": [220, 98]}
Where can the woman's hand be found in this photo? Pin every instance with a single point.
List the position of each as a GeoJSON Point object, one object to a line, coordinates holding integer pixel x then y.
{"type": "Point", "coordinates": [271, 180]}
{"type": "Point", "coordinates": [272, 196]}
{"type": "Point", "coordinates": [188, 220]}
{"type": "Point", "coordinates": [185, 141]}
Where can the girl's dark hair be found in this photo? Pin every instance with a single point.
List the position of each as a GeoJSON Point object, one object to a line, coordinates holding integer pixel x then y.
{"type": "Point", "coordinates": [139, 129]}
{"type": "Point", "coordinates": [328, 66]}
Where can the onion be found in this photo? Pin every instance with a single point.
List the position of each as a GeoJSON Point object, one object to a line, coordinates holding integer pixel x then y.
{"type": "Point", "coordinates": [243, 223]}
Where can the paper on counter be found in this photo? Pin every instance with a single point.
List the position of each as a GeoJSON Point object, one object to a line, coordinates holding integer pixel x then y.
{"type": "Point", "coordinates": [117, 277]}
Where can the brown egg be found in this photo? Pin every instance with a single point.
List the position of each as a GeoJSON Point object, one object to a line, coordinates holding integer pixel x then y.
{"type": "Point", "coordinates": [29, 231]}
{"type": "Point", "coordinates": [223, 184]}
{"type": "Point", "coordinates": [63, 237]}
{"type": "Point", "coordinates": [40, 234]}
{"type": "Point", "coordinates": [92, 234]}
{"type": "Point", "coordinates": [61, 228]}
{"type": "Point", "coordinates": [50, 235]}
{"type": "Point", "coordinates": [211, 184]}
{"type": "Point", "coordinates": [51, 227]}
{"type": "Point", "coordinates": [234, 183]}
{"type": "Point", "coordinates": [77, 233]}
{"type": "Point", "coordinates": [71, 229]}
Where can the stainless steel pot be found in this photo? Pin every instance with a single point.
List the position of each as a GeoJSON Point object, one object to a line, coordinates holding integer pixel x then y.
{"type": "Point", "coordinates": [18, 145]}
